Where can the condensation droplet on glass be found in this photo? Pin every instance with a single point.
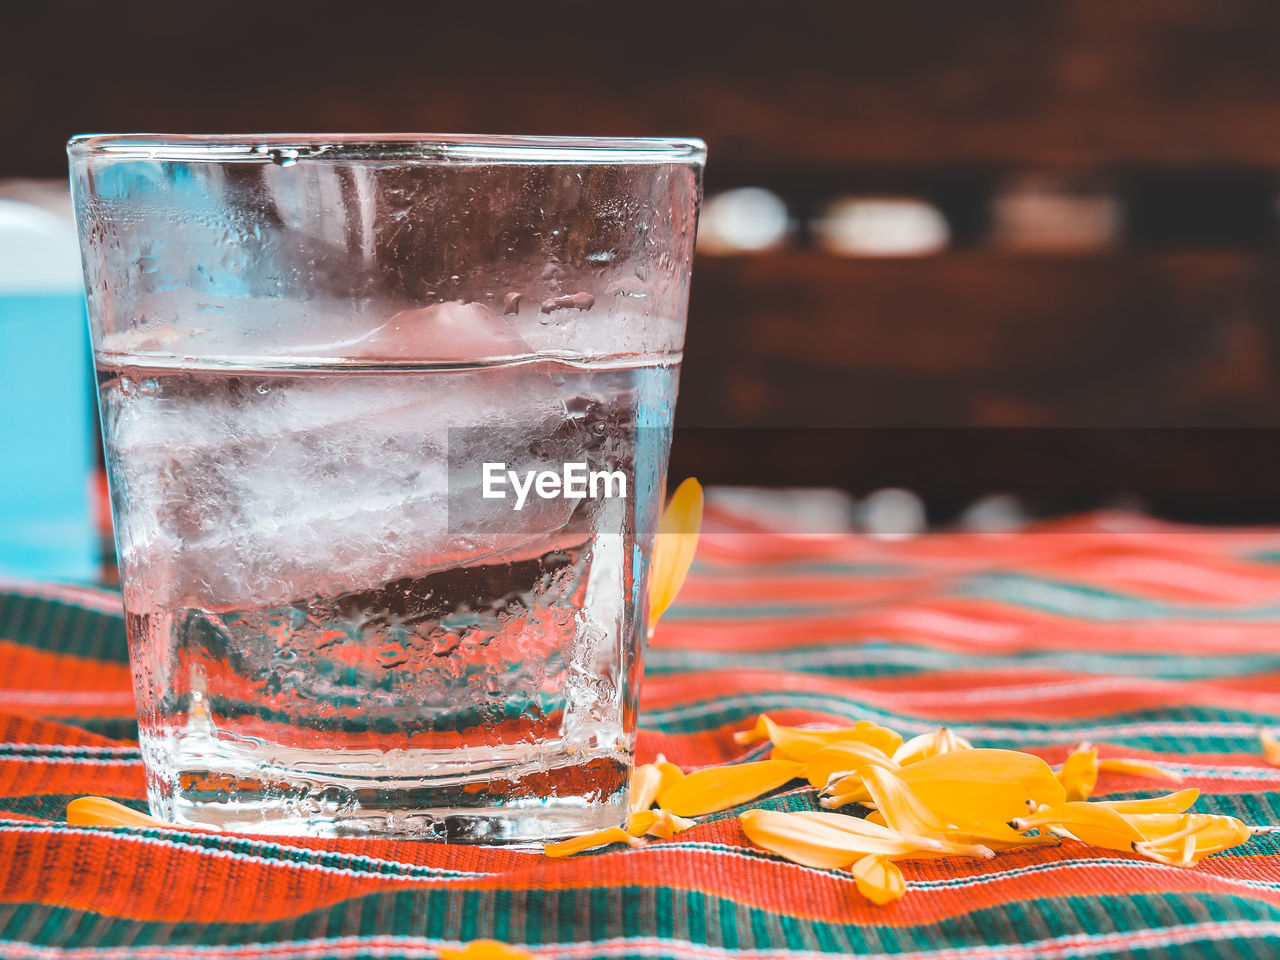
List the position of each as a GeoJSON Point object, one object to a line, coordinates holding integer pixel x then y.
{"type": "Point", "coordinates": [578, 301]}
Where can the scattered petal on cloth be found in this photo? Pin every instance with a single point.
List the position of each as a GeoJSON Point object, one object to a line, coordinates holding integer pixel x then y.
{"type": "Point", "coordinates": [1157, 644]}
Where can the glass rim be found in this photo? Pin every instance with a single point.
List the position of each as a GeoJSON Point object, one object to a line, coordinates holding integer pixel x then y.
{"type": "Point", "coordinates": [288, 148]}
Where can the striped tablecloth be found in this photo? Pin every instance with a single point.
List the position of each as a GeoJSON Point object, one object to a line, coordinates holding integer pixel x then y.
{"type": "Point", "coordinates": [1150, 640]}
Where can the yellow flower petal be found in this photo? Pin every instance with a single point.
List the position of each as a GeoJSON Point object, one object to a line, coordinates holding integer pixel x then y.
{"type": "Point", "coordinates": [801, 743]}
{"type": "Point", "coordinates": [1270, 748]}
{"type": "Point", "coordinates": [974, 789]}
{"type": "Point", "coordinates": [949, 799]}
{"type": "Point", "coordinates": [668, 825]}
{"type": "Point", "coordinates": [903, 810]}
{"type": "Point", "coordinates": [1091, 823]}
{"type": "Point", "coordinates": [858, 826]}
{"type": "Point", "coordinates": [101, 812]}
{"type": "Point", "coordinates": [589, 841]}
{"type": "Point", "coordinates": [644, 788]}
{"type": "Point", "coordinates": [649, 780]}
{"type": "Point", "coordinates": [758, 733]}
{"type": "Point", "coordinates": [929, 745]}
{"type": "Point", "coordinates": [718, 788]}
{"type": "Point", "coordinates": [1079, 774]}
{"type": "Point", "coordinates": [898, 804]}
{"type": "Point", "coordinates": [1183, 840]}
{"type": "Point", "coordinates": [1178, 802]}
{"type": "Point", "coordinates": [486, 950]}
{"type": "Point", "coordinates": [674, 547]}
{"type": "Point", "coordinates": [808, 844]}
{"type": "Point", "coordinates": [1137, 768]}
{"type": "Point", "coordinates": [843, 757]}
{"type": "Point", "coordinates": [1178, 839]}
{"type": "Point", "coordinates": [844, 792]}
{"type": "Point", "coordinates": [916, 845]}
{"type": "Point", "coordinates": [670, 772]}
{"type": "Point", "coordinates": [639, 822]}
{"type": "Point", "coordinates": [826, 844]}
{"type": "Point", "coordinates": [879, 879]}
{"type": "Point", "coordinates": [657, 823]}
{"type": "Point", "coordinates": [1159, 826]}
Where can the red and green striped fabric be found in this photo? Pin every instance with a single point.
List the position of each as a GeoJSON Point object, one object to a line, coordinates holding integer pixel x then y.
{"type": "Point", "coordinates": [1151, 640]}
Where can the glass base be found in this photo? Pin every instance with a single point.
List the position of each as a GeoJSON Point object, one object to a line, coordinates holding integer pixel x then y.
{"type": "Point", "coordinates": [327, 793]}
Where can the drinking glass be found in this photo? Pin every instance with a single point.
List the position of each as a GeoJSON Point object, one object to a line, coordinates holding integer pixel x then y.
{"type": "Point", "coordinates": [386, 422]}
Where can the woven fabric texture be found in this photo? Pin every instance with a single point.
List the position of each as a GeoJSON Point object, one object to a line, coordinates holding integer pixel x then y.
{"type": "Point", "coordinates": [1152, 641]}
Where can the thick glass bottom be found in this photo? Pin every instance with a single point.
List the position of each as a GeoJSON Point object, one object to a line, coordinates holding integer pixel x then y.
{"type": "Point", "coordinates": [432, 795]}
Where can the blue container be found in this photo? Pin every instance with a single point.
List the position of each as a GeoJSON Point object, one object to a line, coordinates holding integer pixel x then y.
{"type": "Point", "coordinates": [46, 407]}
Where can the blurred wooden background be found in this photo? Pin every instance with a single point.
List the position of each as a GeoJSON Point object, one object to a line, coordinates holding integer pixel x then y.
{"type": "Point", "coordinates": [1143, 361]}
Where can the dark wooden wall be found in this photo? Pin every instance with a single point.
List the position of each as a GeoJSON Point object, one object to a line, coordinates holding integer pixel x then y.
{"type": "Point", "coordinates": [804, 366]}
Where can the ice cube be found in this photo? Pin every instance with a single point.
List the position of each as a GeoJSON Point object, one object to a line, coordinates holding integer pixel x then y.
{"type": "Point", "coordinates": [449, 332]}
{"type": "Point", "coordinates": [253, 489]}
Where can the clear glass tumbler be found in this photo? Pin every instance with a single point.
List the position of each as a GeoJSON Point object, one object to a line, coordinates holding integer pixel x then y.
{"type": "Point", "coordinates": [386, 421]}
